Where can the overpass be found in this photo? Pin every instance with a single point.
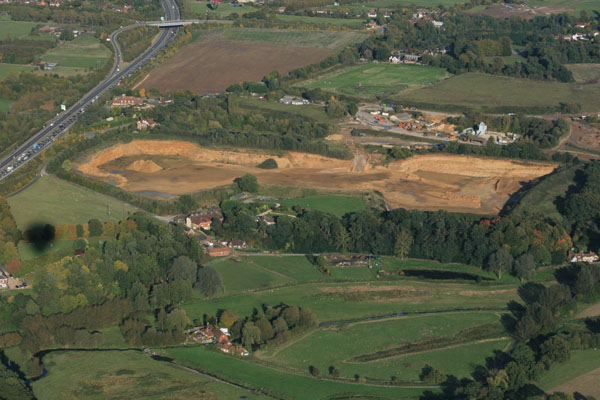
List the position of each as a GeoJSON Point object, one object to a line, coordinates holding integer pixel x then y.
{"type": "Point", "coordinates": [183, 22]}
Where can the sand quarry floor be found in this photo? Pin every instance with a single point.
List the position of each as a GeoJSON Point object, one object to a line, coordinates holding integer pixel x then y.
{"type": "Point", "coordinates": [426, 182]}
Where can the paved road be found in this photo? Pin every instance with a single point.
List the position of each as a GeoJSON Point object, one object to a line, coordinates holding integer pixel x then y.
{"type": "Point", "coordinates": [58, 125]}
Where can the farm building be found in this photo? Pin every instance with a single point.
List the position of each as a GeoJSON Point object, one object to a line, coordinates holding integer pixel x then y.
{"type": "Point", "coordinates": [295, 101]}
{"type": "Point", "coordinates": [411, 59]}
{"type": "Point", "coordinates": [218, 251]}
{"type": "Point", "coordinates": [401, 117]}
{"type": "Point", "coordinates": [127, 101]}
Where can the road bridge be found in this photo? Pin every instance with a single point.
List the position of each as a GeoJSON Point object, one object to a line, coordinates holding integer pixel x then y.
{"type": "Point", "coordinates": [174, 24]}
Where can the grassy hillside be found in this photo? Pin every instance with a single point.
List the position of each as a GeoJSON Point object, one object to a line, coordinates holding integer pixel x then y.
{"type": "Point", "coordinates": [7, 69]}
{"type": "Point", "coordinates": [84, 52]}
{"type": "Point", "coordinates": [480, 91]}
{"type": "Point", "coordinates": [372, 79]}
{"type": "Point", "coordinates": [333, 40]}
{"type": "Point", "coordinates": [16, 29]}
{"type": "Point", "coordinates": [338, 346]}
{"type": "Point", "coordinates": [284, 384]}
{"type": "Point", "coordinates": [125, 375]}
{"type": "Point", "coordinates": [51, 200]}
{"type": "Point", "coordinates": [544, 197]}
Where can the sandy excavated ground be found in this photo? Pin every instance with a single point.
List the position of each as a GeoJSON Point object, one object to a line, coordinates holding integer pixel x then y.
{"type": "Point", "coordinates": [427, 182]}
{"type": "Point", "coordinates": [210, 67]}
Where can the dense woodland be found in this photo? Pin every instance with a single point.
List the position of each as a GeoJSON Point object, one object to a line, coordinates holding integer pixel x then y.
{"type": "Point", "coordinates": [23, 51]}
{"type": "Point", "coordinates": [439, 235]}
{"type": "Point", "coordinates": [141, 267]}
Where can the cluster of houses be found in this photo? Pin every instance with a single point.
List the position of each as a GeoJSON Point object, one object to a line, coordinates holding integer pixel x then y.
{"type": "Point", "coordinates": [46, 66]}
{"type": "Point", "coordinates": [138, 103]}
{"type": "Point", "coordinates": [424, 15]}
{"type": "Point", "coordinates": [202, 219]}
{"type": "Point", "coordinates": [341, 260]}
{"type": "Point", "coordinates": [43, 3]}
{"type": "Point", "coordinates": [57, 30]}
{"type": "Point", "coordinates": [295, 101]}
{"type": "Point", "coordinates": [218, 336]}
{"type": "Point", "coordinates": [400, 58]}
{"type": "Point", "coordinates": [588, 258]}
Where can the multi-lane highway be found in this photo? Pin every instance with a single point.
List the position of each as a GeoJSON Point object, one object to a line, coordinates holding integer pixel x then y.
{"type": "Point", "coordinates": [56, 126]}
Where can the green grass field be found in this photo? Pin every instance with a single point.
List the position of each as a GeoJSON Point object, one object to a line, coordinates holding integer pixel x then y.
{"type": "Point", "coordinates": [384, 78]}
{"type": "Point", "coordinates": [314, 111]}
{"type": "Point", "coordinates": [51, 200]}
{"type": "Point", "coordinates": [581, 362]}
{"type": "Point", "coordinates": [16, 29]}
{"type": "Point", "coordinates": [325, 347]}
{"type": "Point", "coordinates": [333, 40]}
{"type": "Point", "coordinates": [335, 301]}
{"type": "Point", "coordinates": [7, 69]}
{"type": "Point", "coordinates": [480, 91]}
{"type": "Point", "coordinates": [296, 268]}
{"type": "Point", "coordinates": [542, 198]}
{"type": "Point", "coordinates": [84, 52]}
{"type": "Point", "coordinates": [283, 384]}
{"type": "Point", "coordinates": [243, 276]}
{"type": "Point", "coordinates": [29, 252]}
{"type": "Point", "coordinates": [336, 205]}
{"type": "Point", "coordinates": [585, 72]}
{"type": "Point", "coordinates": [64, 71]}
{"type": "Point", "coordinates": [395, 4]}
{"type": "Point", "coordinates": [575, 6]}
{"type": "Point", "coordinates": [201, 7]}
{"type": "Point", "coordinates": [351, 23]}
{"type": "Point", "coordinates": [125, 375]}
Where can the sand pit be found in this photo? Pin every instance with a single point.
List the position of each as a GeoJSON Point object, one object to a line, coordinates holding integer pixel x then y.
{"type": "Point", "coordinates": [426, 182]}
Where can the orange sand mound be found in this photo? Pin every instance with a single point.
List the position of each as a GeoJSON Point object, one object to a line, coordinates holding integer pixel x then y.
{"type": "Point", "coordinates": [144, 166]}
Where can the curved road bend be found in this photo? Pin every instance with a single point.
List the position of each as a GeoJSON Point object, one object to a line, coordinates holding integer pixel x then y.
{"type": "Point", "coordinates": [56, 126]}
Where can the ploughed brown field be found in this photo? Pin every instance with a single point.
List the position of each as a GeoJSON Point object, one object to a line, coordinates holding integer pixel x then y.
{"type": "Point", "coordinates": [210, 67]}
{"type": "Point", "coordinates": [426, 182]}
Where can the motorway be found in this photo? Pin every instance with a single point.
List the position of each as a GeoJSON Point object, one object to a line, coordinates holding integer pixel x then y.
{"type": "Point", "coordinates": [59, 124]}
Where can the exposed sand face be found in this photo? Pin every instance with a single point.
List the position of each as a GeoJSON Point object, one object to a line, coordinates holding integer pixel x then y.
{"type": "Point", "coordinates": [427, 182]}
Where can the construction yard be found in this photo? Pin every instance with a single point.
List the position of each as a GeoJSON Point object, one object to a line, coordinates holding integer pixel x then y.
{"type": "Point", "coordinates": [426, 182]}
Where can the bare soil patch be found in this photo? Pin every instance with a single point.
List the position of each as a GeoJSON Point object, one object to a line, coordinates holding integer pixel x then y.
{"type": "Point", "coordinates": [586, 136]}
{"type": "Point", "coordinates": [427, 182]}
{"type": "Point", "coordinates": [586, 385]}
{"type": "Point", "coordinates": [592, 311]}
{"type": "Point", "coordinates": [210, 67]}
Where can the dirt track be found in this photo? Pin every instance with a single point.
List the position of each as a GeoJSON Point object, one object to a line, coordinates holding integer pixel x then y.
{"type": "Point", "coordinates": [210, 67]}
{"type": "Point", "coordinates": [428, 182]}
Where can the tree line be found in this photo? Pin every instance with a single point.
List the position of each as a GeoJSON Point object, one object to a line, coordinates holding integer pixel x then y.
{"type": "Point", "coordinates": [438, 235]}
